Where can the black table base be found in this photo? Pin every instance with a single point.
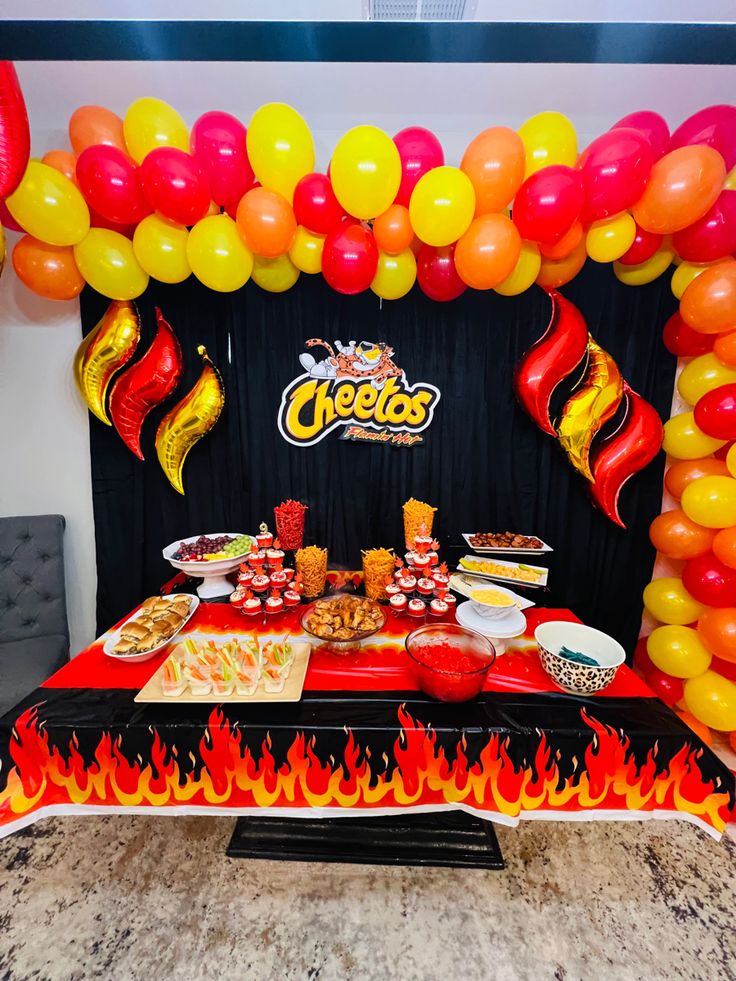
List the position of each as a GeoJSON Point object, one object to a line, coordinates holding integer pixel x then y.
{"type": "Point", "coordinates": [450, 839]}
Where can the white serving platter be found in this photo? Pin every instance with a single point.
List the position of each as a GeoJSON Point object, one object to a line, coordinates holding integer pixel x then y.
{"type": "Point", "coordinates": [465, 583]}
{"type": "Point", "coordinates": [147, 655]}
{"type": "Point", "coordinates": [489, 550]}
{"type": "Point", "coordinates": [499, 577]}
{"type": "Point", "coordinates": [213, 573]}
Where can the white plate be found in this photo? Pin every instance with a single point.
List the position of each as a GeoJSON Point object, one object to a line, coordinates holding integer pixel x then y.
{"type": "Point", "coordinates": [504, 628]}
{"type": "Point", "coordinates": [490, 550]}
{"type": "Point", "coordinates": [214, 574]}
{"type": "Point", "coordinates": [542, 581]}
{"type": "Point", "coordinates": [146, 655]}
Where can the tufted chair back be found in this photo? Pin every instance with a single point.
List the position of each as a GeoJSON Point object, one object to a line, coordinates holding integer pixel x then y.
{"type": "Point", "coordinates": [34, 634]}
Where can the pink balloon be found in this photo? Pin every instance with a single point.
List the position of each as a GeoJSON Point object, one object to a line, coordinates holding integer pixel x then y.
{"type": "Point", "coordinates": [615, 169]}
{"type": "Point", "coordinates": [111, 185]}
{"type": "Point", "coordinates": [436, 273]}
{"type": "Point", "coordinates": [713, 236]}
{"type": "Point", "coordinates": [653, 126]}
{"type": "Point", "coordinates": [548, 203]}
{"type": "Point", "coordinates": [420, 151]}
{"type": "Point", "coordinates": [218, 144]}
{"type": "Point", "coordinates": [174, 185]}
{"type": "Point", "coordinates": [714, 126]}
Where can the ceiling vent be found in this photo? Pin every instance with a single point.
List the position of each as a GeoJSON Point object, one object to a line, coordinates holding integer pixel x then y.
{"type": "Point", "coordinates": [419, 9]}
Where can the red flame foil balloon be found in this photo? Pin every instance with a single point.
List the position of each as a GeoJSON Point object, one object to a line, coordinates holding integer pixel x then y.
{"type": "Point", "coordinates": [15, 138]}
{"type": "Point", "coordinates": [553, 357]}
{"type": "Point", "coordinates": [145, 385]}
{"type": "Point", "coordinates": [625, 452]}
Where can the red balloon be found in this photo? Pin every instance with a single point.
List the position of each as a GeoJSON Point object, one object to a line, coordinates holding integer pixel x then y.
{"type": "Point", "coordinates": [97, 220]}
{"type": "Point", "coordinates": [420, 151]}
{"type": "Point", "coordinates": [625, 452]}
{"type": "Point", "coordinates": [145, 385]}
{"type": "Point", "coordinates": [653, 126]}
{"type": "Point", "coordinates": [714, 126]}
{"type": "Point", "coordinates": [615, 169]}
{"type": "Point", "coordinates": [667, 689]}
{"type": "Point", "coordinates": [727, 669]}
{"type": "Point", "coordinates": [175, 185]}
{"type": "Point", "coordinates": [217, 143]}
{"type": "Point", "coordinates": [644, 246]}
{"type": "Point", "coordinates": [15, 137]}
{"type": "Point", "coordinates": [709, 581]}
{"type": "Point", "coordinates": [548, 203]}
{"type": "Point", "coordinates": [436, 274]}
{"type": "Point", "coordinates": [315, 204]}
{"type": "Point", "coordinates": [110, 183]}
{"type": "Point", "coordinates": [684, 342]}
{"type": "Point", "coordinates": [7, 221]}
{"type": "Point", "coordinates": [711, 237]}
{"type": "Point", "coordinates": [553, 357]}
{"type": "Point", "coordinates": [715, 412]}
{"type": "Point", "coordinates": [350, 257]}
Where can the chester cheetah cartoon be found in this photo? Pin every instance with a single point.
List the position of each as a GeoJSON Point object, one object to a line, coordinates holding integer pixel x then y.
{"type": "Point", "coordinates": [364, 360]}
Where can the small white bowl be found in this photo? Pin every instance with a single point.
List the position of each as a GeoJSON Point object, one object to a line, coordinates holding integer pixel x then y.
{"type": "Point", "coordinates": [492, 612]}
{"type": "Point", "coordinates": [578, 679]}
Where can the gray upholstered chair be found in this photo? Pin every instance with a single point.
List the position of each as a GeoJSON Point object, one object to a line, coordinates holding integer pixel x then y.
{"type": "Point", "coordinates": [34, 634]}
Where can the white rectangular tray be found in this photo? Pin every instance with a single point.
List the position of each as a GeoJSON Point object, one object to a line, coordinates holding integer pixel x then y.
{"type": "Point", "coordinates": [488, 550]}
{"type": "Point", "coordinates": [542, 581]}
{"type": "Point", "coordinates": [465, 582]}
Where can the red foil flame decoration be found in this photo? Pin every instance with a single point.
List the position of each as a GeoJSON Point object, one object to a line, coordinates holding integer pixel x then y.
{"type": "Point", "coordinates": [15, 138]}
{"type": "Point", "coordinates": [550, 359]}
{"type": "Point", "coordinates": [625, 452]}
{"type": "Point", "coordinates": [145, 385]}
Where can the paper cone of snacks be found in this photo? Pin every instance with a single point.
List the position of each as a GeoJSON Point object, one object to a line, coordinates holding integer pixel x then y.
{"type": "Point", "coordinates": [378, 566]}
{"type": "Point", "coordinates": [417, 515]}
{"type": "Point", "coordinates": [311, 565]}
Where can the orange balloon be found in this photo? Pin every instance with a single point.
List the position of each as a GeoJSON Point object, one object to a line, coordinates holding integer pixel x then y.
{"type": "Point", "coordinates": [732, 740]}
{"type": "Point", "coordinates": [717, 630]}
{"type": "Point", "coordinates": [674, 534]}
{"type": "Point", "coordinates": [494, 162]}
{"type": "Point", "coordinates": [266, 222]}
{"type": "Point", "coordinates": [699, 728]}
{"type": "Point", "coordinates": [557, 272]}
{"type": "Point", "coordinates": [92, 125]}
{"type": "Point", "coordinates": [565, 246]}
{"type": "Point", "coordinates": [682, 186]}
{"type": "Point", "coordinates": [49, 270]}
{"type": "Point", "coordinates": [724, 546]}
{"type": "Point", "coordinates": [63, 161]}
{"type": "Point", "coordinates": [724, 348]}
{"type": "Point", "coordinates": [709, 302]}
{"type": "Point", "coordinates": [488, 252]}
{"type": "Point", "coordinates": [392, 230]}
{"type": "Point", "coordinates": [683, 472]}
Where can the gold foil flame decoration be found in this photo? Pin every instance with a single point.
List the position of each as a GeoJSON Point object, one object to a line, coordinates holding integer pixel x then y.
{"type": "Point", "coordinates": [107, 347]}
{"type": "Point", "coordinates": [189, 421]}
{"type": "Point", "coordinates": [590, 407]}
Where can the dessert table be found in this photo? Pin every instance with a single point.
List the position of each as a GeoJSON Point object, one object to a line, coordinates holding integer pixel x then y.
{"type": "Point", "coordinates": [362, 743]}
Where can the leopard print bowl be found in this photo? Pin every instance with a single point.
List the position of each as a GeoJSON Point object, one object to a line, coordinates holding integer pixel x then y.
{"type": "Point", "coordinates": [578, 679]}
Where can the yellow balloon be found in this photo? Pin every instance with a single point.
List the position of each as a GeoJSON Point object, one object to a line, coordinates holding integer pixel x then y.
{"type": "Point", "coordinates": [306, 251]}
{"type": "Point", "coordinates": [274, 275]}
{"type": "Point", "coordinates": [730, 184]}
{"type": "Point", "coordinates": [107, 261]}
{"type": "Point", "coordinates": [217, 254]}
{"type": "Point", "coordinates": [442, 206]}
{"type": "Point", "coordinates": [669, 602]}
{"type": "Point", "coordinates": [365, 171]}
{"type": "Point", "coordinates": [645, 272]}
{"type": "Point", "coordinates": [609, 238]}
{"type": "Point", "coordinates": [395, 274]}
{"type": "Point", "coordinates": [678, 651]}
{"type": "Point", "coordinates": [702, 375]}
{"type": "Point", "coordinates": [280, 147]}
{"type": "Point", "coordinates": [684, 440]}
{"type": "Point", "coordinates": [548, 138]}
{"type": "Point", "coordinates": [160, 246]}
{"type": "Point", "coordinates": [711, 698]}
{"type": "Point", "coordinates": [685, 273]}
{"type": "Point", "coordinates": [48, 206]}
{"type": "Point", "coordinates": [711, 501]}
{"type": "Point", "coordinates": [150, 123]}
{"type": "Point", "coordinates": [525, 271]}
{"type": "Point", "coordinates": [731, 460]}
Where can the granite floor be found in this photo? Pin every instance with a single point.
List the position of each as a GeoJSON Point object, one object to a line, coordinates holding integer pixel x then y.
{"type": "Point", "coordinates": [156, 899]}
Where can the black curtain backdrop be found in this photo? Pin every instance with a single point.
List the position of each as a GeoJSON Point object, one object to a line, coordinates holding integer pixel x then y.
{"type": "Point", "coordinates": [483, 464]}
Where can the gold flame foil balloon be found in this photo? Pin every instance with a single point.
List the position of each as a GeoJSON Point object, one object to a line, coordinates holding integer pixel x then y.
{"type": "Point", "coordinates": [189, 421]}
{"type": "Point", "coordinates": [590, 407]}
{"type": "Point", "coordinates": [107, 347]}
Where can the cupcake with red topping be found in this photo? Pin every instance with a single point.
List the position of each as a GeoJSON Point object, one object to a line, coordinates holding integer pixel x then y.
{"type": "Point", "coordinates": [245, 576]}
{"type": "Point", "coordinates": [416, 608]}
{"type": "Point", "coordinates": [392, 589]}
{"type": "Point", "coordinates": [291, 598]}
{"type": "Point", "coordinates": [441, 578]}
{"type": "Point", "coordinates": [275, 556]}
{"type": "Point", "coordinates": [251, 604]}
{"type": "Point", "coordinates": [238, 597]}
{"type": "Point", "coordinates": [398, 602]}
{"type": "Point", "coordinates": [260, 583]}
{"type": "Point", "coordinates": [425, 586]}
{"type": "Point", "coordinates": [408, 583]}
{"type": "Point", "coordinates": [438, 607]}
{"type": "Point", "coordinates": [278, 579]}
{"type": "Point", "coordinates": [264, 538]}
{"type": "Point", "coordinates": [421, 562]}
{"type": "Point", "coordinates": [274, 603]}
{"type": "Point", "coordinates": [256, 559]}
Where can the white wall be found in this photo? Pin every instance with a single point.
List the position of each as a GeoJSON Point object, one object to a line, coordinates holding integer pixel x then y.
{"type": "Point", "coordinates": [44, 450]}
